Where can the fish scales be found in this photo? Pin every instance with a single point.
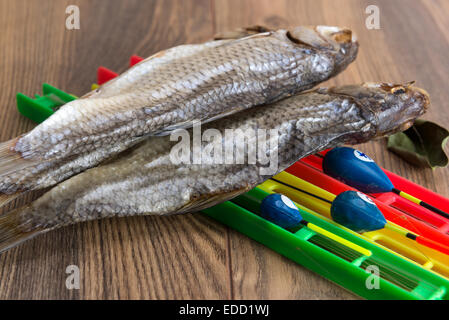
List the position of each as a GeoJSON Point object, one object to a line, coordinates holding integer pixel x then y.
{"type": "Point", "coordinates": [169, 90]}
{"type": "Point", "coordinates": [145, 181]}
{"type": "Point", "coordinates": [252, 78]}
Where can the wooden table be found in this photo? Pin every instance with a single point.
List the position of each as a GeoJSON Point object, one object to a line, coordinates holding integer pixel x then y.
{"type": "Point", "coordinates": [192, 256]}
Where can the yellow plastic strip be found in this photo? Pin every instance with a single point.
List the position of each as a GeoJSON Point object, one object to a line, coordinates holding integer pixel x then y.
{"type": "Point", "coordinates": [271, 186]}
{"type": "Point", "coordinates": [385, 238]}
{"type": "Point", "coordinates": [339, 239]}
{"type": "Point", "coordinates": [293, 181]}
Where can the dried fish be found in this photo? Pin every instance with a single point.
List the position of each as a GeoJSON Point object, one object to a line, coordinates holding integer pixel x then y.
{"type": "Point", "coordinates": [168, 91]}
{"type": "Point", "coordinates": [146, 181]}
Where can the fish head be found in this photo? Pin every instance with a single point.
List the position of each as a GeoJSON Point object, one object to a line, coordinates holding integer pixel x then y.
{"type": "Point", "coordinates": [388, 107]}
{"type": "Point", "coordinates": [341, 43]}
{"type": "Point", "coordinates": [403, 105]}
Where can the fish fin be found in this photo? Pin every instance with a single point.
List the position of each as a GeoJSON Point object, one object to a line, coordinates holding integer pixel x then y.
{"type": "Point", "coordinates": [223, 115]}
{"type": "Point", "coordinates": [204, 202]}
{"type": "Point", "coordinates": [189, 123]}
{"type": "Point", "coordinates": [13, 230]}
{"type": "Point", "coordinates": [241, 32]}
{"type": "Point", "coordinates": [11, 160]}
{"type": "Point", "coordinates": [169, 129]}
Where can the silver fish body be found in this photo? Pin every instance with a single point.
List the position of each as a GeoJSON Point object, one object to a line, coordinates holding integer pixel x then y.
{"type": "Point", "coordinates": [146, 181]}
{"type": "Point", "coordinates": [217, 80]}
{"type": "Point", "coordinates": [186, 83]}
{"type": "Point", "coordinates": [49, 173]}
{"type": "Point", "coordinates": [170, 90]}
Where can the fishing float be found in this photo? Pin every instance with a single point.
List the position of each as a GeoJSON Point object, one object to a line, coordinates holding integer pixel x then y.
{"type": "Point", "coordinates": [282, 211]}
{"type": "Point", "coordinates": [356, 211]}
{"type": "Point", "coordinates": [359, 171]}
{"type": "Point", "coordinates": [359, 213]}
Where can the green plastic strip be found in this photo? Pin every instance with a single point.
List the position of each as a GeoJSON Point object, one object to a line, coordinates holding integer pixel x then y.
{"type": "Point", "coordinates": [399, 278]}
{"type": "Point", "coordinates": [41, 107]}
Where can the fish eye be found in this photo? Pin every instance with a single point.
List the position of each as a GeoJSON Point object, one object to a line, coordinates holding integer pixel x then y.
{"type": "Point", "coordinates": [397, 90]}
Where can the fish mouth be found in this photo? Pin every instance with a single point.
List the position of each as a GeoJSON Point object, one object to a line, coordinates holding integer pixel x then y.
{"type": "Point", "coordinates": [323, 37]}
{"type": "Point", "coordinates": [400, 128]}
{"type": "Point", "coordinates": [412, 102]}
{"type": "Point", "coordinates": [425, 96]}
{"type": "Point", "coordinates": [339, 35]}
{"type": "Point", "coordinates": [341, 43]}
{"type": "Point", "coordinates": [389, 107]}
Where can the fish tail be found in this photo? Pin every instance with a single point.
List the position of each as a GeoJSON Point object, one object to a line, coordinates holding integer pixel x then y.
{"type": "Point", "coordinates": [14, 230]}
{"type": "Point", "coordinates": [7, 198]}
{"type": "Point", "coordinates": [11, 160]}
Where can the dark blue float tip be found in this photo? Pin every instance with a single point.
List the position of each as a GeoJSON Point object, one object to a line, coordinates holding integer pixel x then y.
{"type": "Point", "coordinates": [281, 211]}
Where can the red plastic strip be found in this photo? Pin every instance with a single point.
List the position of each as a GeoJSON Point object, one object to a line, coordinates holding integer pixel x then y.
{"type": "Point", "coordinates": [104, 75]}
{"type": "Point", "coordinates": [310, 173]}
{"type": "Point", "coordinates": [411, 208]}
{"type": "Point", "coordinates": [422, 193]}
{"type": "Point", "coordinates": [135, 60]}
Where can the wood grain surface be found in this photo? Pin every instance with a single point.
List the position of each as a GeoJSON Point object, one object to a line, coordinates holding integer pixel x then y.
{"type": "Point", "coordinates": [191, 256]}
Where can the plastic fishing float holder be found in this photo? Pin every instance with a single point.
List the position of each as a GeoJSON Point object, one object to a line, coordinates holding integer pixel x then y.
{"type": "Point", "coordinates": [336, 253]}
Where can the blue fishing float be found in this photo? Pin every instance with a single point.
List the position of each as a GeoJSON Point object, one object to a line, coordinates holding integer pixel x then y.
{"type": "Point", "coordinates": [356, 169]}
{"type": "Point", "coordinates": [352, 209]}
{"type": "Point", "coordinates": [359, 171]}
{"type": "Point", "coordinates": [357, 212]}
{"type": "Point", "coordinates": [281, 211]}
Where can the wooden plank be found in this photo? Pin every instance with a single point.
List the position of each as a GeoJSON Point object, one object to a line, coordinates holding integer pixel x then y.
{"type": "Point", "coordinates": [416, 40]}
{"type": "Point", "coordinates": [188, 257]}
{"type": "Point", "coordinates": [142, 257]}
{"type": "Point", "coordinates": [412, 44]}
